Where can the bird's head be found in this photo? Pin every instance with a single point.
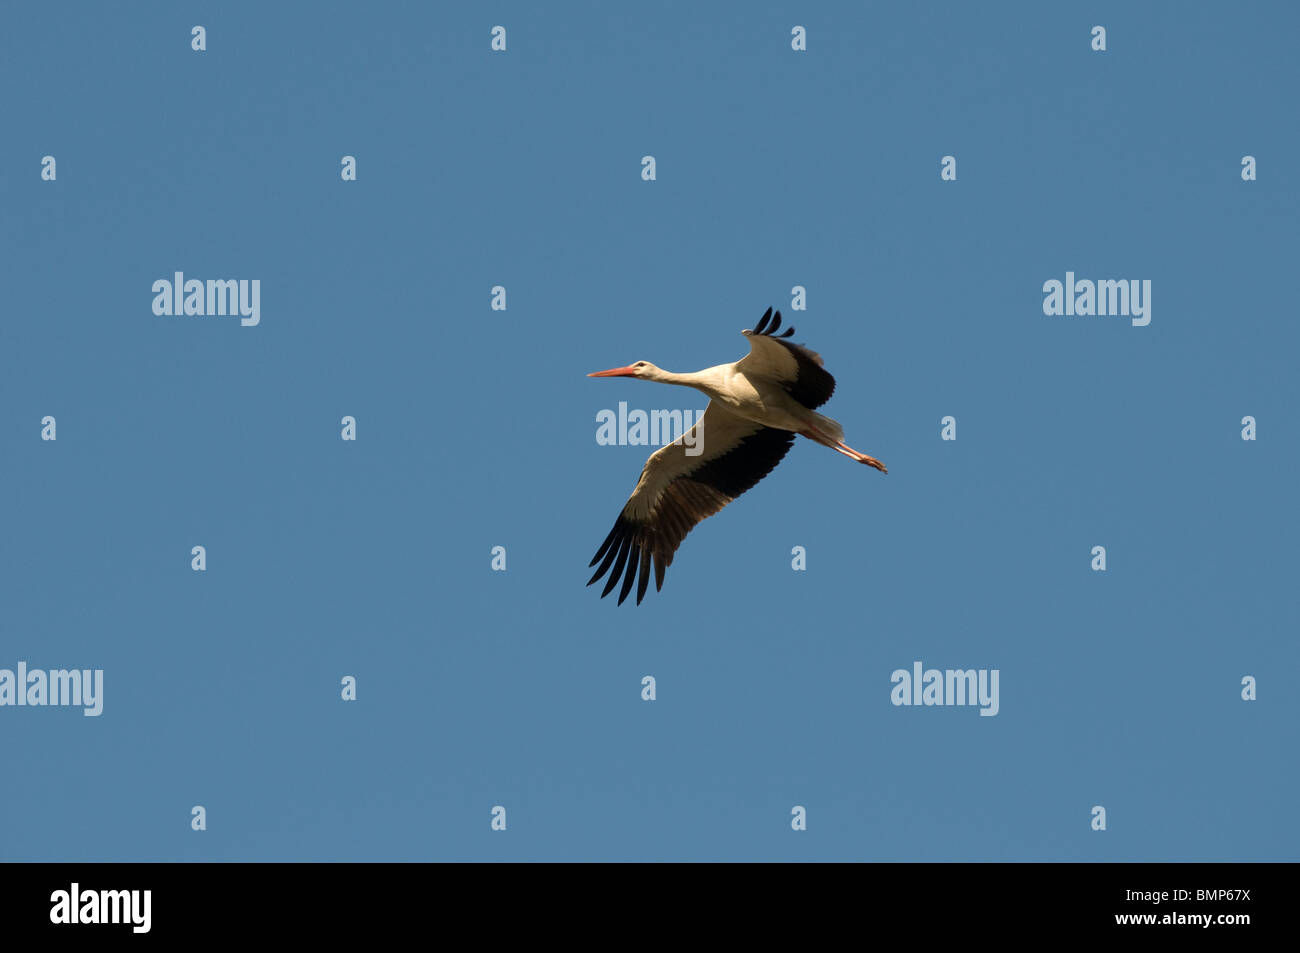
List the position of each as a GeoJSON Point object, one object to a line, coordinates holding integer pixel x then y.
{"type": "Point", "coordinates": [642, 369]}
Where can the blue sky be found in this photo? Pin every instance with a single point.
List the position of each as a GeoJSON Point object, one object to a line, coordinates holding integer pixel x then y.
{"type": "Point", "coordinates": [476, 428]}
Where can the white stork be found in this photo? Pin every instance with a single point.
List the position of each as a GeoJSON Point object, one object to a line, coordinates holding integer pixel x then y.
{"type": "Point", "coordinates": [756, 407]}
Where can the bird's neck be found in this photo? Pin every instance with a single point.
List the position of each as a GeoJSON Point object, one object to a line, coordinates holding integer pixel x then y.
{"type": "Point", "coordinates": [700, 380]}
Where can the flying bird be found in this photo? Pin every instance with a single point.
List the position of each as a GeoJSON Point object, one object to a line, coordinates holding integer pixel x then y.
{"type": "Point", "coordinates": [757, 406]}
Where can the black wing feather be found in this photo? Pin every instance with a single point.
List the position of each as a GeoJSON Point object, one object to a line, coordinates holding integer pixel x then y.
{"type": "Point", "coordinates": [617, 571]}
{"type": "Point", "coordinates": [812, 385]}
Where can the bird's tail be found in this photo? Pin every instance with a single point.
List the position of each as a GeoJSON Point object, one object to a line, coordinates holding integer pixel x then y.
{"type": "Point", "coordinates": [828, 426]}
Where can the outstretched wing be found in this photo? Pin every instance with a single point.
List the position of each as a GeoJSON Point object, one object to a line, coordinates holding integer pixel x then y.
{"type": "Point", "coordinates": [677, 489]}
{"type": "Point", "coordinates": [793, 366]}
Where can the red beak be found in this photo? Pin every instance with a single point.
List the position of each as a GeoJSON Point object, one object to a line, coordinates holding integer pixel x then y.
{"type": "Point", "coordinates": [616, 372]}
